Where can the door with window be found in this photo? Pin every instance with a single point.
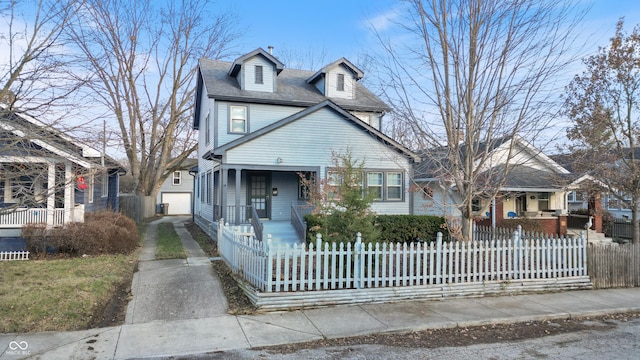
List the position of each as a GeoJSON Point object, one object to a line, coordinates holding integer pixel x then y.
{"type": "Point", "coordinates": [259, 196]}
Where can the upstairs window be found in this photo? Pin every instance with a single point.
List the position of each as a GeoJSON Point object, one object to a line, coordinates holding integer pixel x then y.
{"type": "Point", "coordinates": [340, 82]}
{"type": "Point", "coordinates": [238, 119]}
{"type": "Point", "coordinates": [258, 76]}
{"type": "Point", "coordinates": [207, 132]}
{"type": "Point", "coordinates": [177, 178]}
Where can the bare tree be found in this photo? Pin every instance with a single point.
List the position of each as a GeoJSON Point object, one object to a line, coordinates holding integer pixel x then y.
{"type": "Point", "coordinates": [466, 74]}
{"type": "Point", "coordinates": [143, 55]}
{"type": "Point", "coordinates": [604, 104]}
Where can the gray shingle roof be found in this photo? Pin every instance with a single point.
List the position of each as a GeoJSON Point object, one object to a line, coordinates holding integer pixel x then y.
{"type": "Point", "coordinates": [292, 89]}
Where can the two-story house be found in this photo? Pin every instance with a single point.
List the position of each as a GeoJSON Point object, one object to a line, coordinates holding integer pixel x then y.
{"type": "Point", "coordinates": [262, 126]}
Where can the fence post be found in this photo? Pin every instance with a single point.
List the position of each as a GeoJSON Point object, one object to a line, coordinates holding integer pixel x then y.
{"type": "Point", "coordinates": [439, 258]}
{"type": "Point", "coordinates": [220, 228]}
{"type": "Point", "coordinates": [517, 236]}
{"type": "Point", "coordinates": [318, 267]}
{"type": "Point", "coordinates": [358, 263]}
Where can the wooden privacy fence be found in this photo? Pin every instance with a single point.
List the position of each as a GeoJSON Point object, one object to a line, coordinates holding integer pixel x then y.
{"type": "Point", "coordinates": [613, 265]}
{"type": "Point", "coordinates": [335, 266]}
{"type": "Point", "coordinates": [137, 207]}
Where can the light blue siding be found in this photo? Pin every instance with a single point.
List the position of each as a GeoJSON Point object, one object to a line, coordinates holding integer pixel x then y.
{"type": "Point", "coordinates": [260, 115]}
{"type": "Point", "coordinates": [300, 144]}
{"type": "Point", "coordinates": [287, 185]}
{"type": "Point", "coordinates": [268, 75]}
{"type": "Point", "coordinates": [168, 187]}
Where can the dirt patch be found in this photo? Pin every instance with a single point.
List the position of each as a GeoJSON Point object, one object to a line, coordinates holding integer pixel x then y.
{"type": "Point", "coordinates": [114, 311]}
{"type": "Point", "coordinates": [465, 336]}
{"type": "Point", "coordinates": [239, 303]}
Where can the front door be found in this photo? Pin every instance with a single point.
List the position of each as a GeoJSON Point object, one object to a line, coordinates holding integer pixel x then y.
{"type": "Point", "coordinates": [259, 196]}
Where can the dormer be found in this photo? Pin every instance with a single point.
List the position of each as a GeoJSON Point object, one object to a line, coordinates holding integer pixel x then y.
{"type": "Point", "coordinates": [256, 71]}
{"type": "Point", "coordinates": [337, 80]}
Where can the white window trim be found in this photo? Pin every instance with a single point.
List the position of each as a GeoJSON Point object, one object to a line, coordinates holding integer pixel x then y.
{"type": "Point", "coordinates": [105, 184]}
{"type": "Point", "coordinates": [246, 119]}
{"type": "Point", "coordinates": [91, 188]}
{"type": "Point", "coordinates": [174, 178]}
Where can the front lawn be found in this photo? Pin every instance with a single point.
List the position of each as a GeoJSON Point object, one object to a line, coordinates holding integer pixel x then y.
{"type": "Point", "coordinates": [62, 294]}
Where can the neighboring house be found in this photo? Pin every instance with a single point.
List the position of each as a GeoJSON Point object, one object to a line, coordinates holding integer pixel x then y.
{"type": "Point", "coordinates": [176, 191]}
{"type": "Point", "coordinates": [581, 196]}
{"type": "Point", "coordinates": [262, 127]}
{"type": "Point", "coordinates": [534, 188]}
{"type": "Point", "coordinates": [48, 177]}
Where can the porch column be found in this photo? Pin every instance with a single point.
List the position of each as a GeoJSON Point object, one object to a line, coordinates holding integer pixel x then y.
{"type": "Point", "coordinates": [237, 190]}
{"type": "Point", "coordinates": [68, 194]}
{"type": "Point", "coordinates": [51, 193]}
{"type": "Point", "coordinates": [224, 194]}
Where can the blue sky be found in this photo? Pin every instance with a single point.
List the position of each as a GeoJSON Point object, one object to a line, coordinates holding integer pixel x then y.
{"type": "Point", "coordinates": [338, 28]}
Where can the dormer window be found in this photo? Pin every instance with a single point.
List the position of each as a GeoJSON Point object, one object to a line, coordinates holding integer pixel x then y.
{"type": "Point", "coordinates": [258, 75]}
{"type": "Point", "coordinates": [340, 82]}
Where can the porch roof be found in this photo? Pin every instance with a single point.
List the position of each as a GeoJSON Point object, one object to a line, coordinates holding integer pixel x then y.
{"type": "Point", "coordinates": [50, 142]}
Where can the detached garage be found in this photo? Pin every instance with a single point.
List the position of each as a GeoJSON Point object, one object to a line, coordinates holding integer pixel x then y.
{"type": "Point", "coordinates": [179, 203]}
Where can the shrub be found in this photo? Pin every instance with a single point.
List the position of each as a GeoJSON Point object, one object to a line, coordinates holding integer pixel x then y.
{"type": "Point", "coordinates": [101, 233]}
{"type": "Point", "coordinates": [529, 225]}
{"type": "Point", "coordinates": [409, 228]}
{"type": "Point", "coordinates": [35, 235]}
{"type": "Point", "coordinates": [393, 228]}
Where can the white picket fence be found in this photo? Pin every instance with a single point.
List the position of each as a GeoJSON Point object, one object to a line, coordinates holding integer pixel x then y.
{"type": "Point", "coordinates": [14, 255]}
{"type": "Point", "coordinates": [335, 266]}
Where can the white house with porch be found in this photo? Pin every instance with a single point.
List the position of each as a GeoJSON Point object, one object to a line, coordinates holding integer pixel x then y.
{"type": "Point", "coordinates": [262, 127]}
{"type": "Point", "coordinates": [48, 177]}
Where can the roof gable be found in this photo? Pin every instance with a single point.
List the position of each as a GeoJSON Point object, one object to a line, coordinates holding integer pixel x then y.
{"type": "Point", "coordinates": [237, 64]}
{"type": "Point", "coordinates": [357, 73]}
{"type": "Point", "coordinates": [42, 136]}
{"type": "Point", "coordinates": [325, 104]}
{"type": "Point", "coordinates": [292, 90]}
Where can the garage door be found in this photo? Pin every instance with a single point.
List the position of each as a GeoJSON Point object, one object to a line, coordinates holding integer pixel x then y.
{"type": "Point", "coordinates": [179, 203]}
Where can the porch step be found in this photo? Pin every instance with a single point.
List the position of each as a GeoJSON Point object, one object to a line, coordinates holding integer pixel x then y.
{"type": "Point", "coordinates": [282, 232]}
{"type": "Point", "coordinates": [591, 235]}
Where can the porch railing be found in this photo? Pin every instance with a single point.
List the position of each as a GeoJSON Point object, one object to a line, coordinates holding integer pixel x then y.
{"type": "Point", "coordinates": [297, 218]}
{"type": "Point", "coordinates": [258, 227]}
{"type": "Point", "coordinates": [232, 218]}
{"type": "Point", "coordinates": [19, 217]}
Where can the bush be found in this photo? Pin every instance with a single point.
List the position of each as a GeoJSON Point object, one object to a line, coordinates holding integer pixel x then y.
{"type": "Point", "coordinates": [393, 228]}
{"type": "Point", "coordinates": [528, 224]}
{"type": "Point", "coordinates": [101, 233]}
{"type": "Point", "coordinates": [409, 228]}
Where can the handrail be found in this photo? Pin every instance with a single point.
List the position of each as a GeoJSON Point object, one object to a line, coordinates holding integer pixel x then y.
{"type": "Point", "coordinates": [297, 219]}
{"type": "Point", "coordinates": [258, 227]}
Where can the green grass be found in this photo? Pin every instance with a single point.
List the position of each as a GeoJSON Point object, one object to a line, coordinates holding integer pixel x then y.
{"type": "Point", "coordinates": [169, 243]}
{"type": "Point", "coordinates": [61, 294]}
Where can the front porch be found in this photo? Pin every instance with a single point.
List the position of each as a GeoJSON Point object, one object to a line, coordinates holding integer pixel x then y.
{"type": "Point", "coordinates": [17, 218]}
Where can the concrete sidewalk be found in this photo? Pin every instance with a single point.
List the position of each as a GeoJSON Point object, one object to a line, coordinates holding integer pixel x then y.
{"type": "Point", "coordinates": [164, 321]}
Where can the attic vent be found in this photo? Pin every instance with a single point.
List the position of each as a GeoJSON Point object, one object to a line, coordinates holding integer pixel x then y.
{"type": "Point", "coordinates": [258, 77]}
{"type": "Point", "coordinates": [340, 82]}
